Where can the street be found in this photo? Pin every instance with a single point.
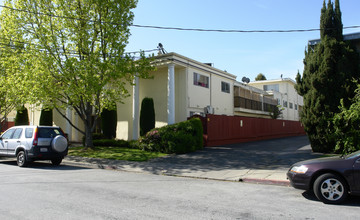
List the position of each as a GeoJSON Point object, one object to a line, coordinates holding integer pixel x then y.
{"type": "Point", "coordinates": [69, 192]}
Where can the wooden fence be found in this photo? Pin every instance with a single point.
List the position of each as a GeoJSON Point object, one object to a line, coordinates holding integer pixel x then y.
{"type": "Point", "coordinates": [221, 129]}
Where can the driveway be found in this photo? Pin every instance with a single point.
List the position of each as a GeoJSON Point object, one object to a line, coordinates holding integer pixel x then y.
{"type": "Point", "coordinates": [260, 161]}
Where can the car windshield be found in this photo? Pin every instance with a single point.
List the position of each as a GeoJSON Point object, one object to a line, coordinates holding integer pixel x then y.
{"type": "Point", "coordinates": [355, 154]}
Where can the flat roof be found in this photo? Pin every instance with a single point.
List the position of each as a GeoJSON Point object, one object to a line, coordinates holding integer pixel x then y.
{"type": "Point", "coordinates": [351, 36]}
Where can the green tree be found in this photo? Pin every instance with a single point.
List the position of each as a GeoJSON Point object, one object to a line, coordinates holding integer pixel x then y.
{"type": "Point", "coordinates": [347, 126]}
{"type": "Point", "coordinates": [147, 116]}
{"type": "Point", "coordinates": [259, 77]}
{"type": "Point", "coordinates": [109, 122]}
{"type": "Point", "coordinates": [22, 117]}
{"type": "Point", "coordinates": [73, 55]}
{"type": "Point", "coordinates": [330, 69]}
{"type": "Point", "coordinates": [46, 117]}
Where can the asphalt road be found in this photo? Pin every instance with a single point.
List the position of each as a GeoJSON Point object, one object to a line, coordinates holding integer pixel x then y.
{"type": "Point", "coordinates": [69, 192]}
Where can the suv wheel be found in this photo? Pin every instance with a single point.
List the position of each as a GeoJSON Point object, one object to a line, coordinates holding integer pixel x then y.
{"type": "Point", "coordinates": [21, 159]}
{"type": "Point", "coordinates": [56, 161]}
{"type": "Point", "coordinates": [330, 188]}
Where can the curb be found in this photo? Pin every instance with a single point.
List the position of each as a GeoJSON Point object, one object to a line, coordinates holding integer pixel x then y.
{"type": "Point", "coordinates": [265, 181]}
{"type": "Point", "coordinates": [116, 168]}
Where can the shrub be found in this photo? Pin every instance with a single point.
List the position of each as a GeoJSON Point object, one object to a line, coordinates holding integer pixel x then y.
{"type": "Point", "coordinates": [22, 117]}
{"type": "Point", "coordinates": [111, 143]}
{"type": "Point", "coordinates": [179, 138]}
{"type": "Point", "coordinates": [109, 122]}
{"type": "Point", "coordinates": [46, 117]}
{"type": "Point", "coordinates": [147, 116]}
{"type": "Point", "coordinates": [96, 136]}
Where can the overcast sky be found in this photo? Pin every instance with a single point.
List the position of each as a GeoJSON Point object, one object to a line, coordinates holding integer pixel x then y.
{"type": "Point", "coordinates": [241, 54]}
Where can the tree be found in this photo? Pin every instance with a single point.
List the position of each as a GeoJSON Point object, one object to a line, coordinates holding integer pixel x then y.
{"type": "Point", "coordinates": [347, 126]}
{"type": "Point", "coordinates": [330, 69]}
{"type": "Point", "coordinates": [276, 112]}
{"type": "Point", "coordinates": [259, 77]}
{"type": "Point", "coordinates": [75, 55]}
{"type": "Point", "coordinates": [22, 117]}
{"type": "Point", "coordinates": [109, 122]}
{"type": "Point", "coordinates": [147, 116]}
{"type": "Point", "coordinates": [46, 117]}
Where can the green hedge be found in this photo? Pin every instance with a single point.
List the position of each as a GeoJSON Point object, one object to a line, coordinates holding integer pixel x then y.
{"type": "Point", "coordinates": [111, 143]}
{"type": "Point", "coordinates": [147, 116]}
{"type": "Point", "coordinates": [179, 138]}
{"type": "Point", "coordinates": [22, 117]}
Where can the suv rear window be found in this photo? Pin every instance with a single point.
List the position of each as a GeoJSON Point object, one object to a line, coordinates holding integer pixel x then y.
{"type": "Point", "coordinates": [49, 132]}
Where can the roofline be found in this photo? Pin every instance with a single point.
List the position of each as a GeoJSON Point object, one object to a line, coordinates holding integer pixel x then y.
{"type": "Point", "coordinates": [351, 36]}
{"type": "Point", "coordinates": [172, 57]}
{"type": "Point", "coordinates": [274, 81]}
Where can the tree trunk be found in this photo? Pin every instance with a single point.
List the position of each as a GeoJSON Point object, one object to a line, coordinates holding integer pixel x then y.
{"type": "Point", "coordinates": [88, 128]}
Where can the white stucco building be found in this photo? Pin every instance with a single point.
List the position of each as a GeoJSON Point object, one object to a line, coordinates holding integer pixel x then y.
{"type": "Point", "coordinates": [284, 91]}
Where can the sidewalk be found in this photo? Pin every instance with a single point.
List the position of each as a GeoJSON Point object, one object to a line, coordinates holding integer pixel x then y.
{"type": "Point", "coordinates": [256, 162]}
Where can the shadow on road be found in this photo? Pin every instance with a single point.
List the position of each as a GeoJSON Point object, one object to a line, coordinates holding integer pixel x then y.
{"type": "Point", "coordinates": [44, 165]}
{"type": "Point", "coordinates": [276, 154]}
{"type": "Point", "coordinates": [353, 201]}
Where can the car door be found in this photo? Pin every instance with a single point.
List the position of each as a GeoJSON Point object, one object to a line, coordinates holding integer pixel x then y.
{"type": "Point", "coordinates": [14, 141]}
{"type": "Point", "coordinates": [357, 174]}
{"type": "Point", "coordinates": [4, 140]}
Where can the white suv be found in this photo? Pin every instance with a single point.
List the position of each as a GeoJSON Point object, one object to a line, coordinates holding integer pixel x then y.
{"type": "Point", "coordinates": [30, 143]}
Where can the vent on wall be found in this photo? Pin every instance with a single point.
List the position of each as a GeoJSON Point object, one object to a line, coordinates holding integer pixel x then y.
{"type": "Point", "coordinates": [209, 110]}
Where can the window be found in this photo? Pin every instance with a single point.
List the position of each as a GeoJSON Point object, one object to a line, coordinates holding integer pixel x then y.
{"type": "Point", "coordinates": [29, 132]}
{"type": "Point", "coordinates": [296, 107]}
{"type": "Point", "coordinates": [290, 105]}
{"type": "Point", "coordinates": [225, 87]}
{"type": "Point", "coordinates": [201, 80]}
{"type": "Point", "coordinates": [17, 133]}
{"type": "Point", "coordinates": [285, 104]}
{"type": "Point", "coordinates": [8, 134]}
{"type": "Point", "coordinates": [273, 87]}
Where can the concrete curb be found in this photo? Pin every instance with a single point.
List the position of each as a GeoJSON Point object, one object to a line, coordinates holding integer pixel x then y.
{"type": "Point", "coordinates": [266, 181]}
{"type": "Point", "coordinates": [99, 164]}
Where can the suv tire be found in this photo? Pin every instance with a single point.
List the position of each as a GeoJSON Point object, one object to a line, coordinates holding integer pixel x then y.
{"type": "Point", "coordinates": [21, 159]}
{"type": "Point", "coordinates": [56, 161]}
{"type": "Point", "coordinates": [59, 144]}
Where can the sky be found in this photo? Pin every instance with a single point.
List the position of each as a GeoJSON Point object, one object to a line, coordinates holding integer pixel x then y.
{"type": "Point", "coordinates": [241, 54]}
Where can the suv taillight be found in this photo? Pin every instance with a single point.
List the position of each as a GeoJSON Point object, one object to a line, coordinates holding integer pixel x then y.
{"type": "Point", "coordinates": [35, 141]}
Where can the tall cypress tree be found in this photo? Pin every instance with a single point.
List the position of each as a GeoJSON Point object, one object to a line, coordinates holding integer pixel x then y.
{"type": "Point", "coordinates": [330, 68]}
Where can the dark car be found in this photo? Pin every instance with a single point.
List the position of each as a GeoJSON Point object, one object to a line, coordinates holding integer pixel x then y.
{"type": "Point", "coordinates": [331, 178]}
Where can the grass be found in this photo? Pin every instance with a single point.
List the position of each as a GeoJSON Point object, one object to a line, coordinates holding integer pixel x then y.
{"type": "Point", "coordinates": [115, 153]}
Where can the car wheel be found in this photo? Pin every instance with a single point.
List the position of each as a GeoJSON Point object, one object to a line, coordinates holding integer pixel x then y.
{"type": "Point", "coordinates": [21, 159]}
{"type": "Point", "coordinates": [59, 144]}
{"type": "Point", "coordinates": [330, 188]}
{"type": "Point", "coordinates": [56, 161]}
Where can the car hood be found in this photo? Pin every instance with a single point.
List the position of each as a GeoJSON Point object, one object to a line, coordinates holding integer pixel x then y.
{"type": "Point", "coordinates": [321, 160]}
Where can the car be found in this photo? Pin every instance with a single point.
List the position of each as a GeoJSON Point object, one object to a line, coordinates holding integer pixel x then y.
{"type": "Point", "coordinates": [30, 143]}
{"type": "Point", "coordinates": [331, 179]}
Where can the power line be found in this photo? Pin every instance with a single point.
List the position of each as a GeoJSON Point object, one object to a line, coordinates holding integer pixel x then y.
{"type": "Point", "coordinates": [235, 31]}
{"type": "Point", "coordinates": [180, 28]}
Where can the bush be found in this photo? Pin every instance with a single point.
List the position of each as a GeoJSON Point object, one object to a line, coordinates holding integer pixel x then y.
{"type": "Point", "coordinates": [46, 117]}
{"type": "Point", "coordinates": [109, 123]}
{"type": "Point", "coordinates": [111, 143]}
{"type": "Point", "coordinates": [179, 138]}
{"type": "Point", "coordinates": [22, 117]}
{"type": "Point", "coordinates": [147, 116]}
{"type": "Point", "coordinates": [96, 136]}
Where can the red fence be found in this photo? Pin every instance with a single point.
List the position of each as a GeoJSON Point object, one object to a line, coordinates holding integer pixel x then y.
{"type": "Point", "coordinates": [6, 124]}
{"type": "Point", "coordinates": [221, 129]}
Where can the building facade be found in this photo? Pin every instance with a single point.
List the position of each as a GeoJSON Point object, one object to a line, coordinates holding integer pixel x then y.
{"type": "Point", "coordinates": [182, 87]}
{"type": "Point", "coordinates": [283, 90]}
